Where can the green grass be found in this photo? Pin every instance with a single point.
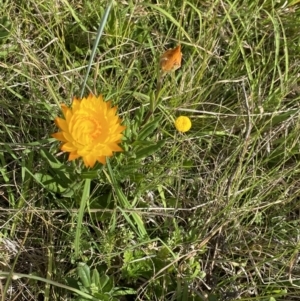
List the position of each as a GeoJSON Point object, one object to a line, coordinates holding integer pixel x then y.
{"type": "Point", "coordinates": [212, 214]}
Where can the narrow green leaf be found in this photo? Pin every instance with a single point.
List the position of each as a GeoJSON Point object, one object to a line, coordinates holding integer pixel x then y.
{"type": "Point", "coordinates": [5, 28]}
{"type": "Point", "coordinates": [149, 128]}
{"type": "Point", "coordinates": [140, 114]}
{"type": "Point", "coordinates": [129, 169]}
{"type": "Point", "coordinates": [124, 291]}
{"type": "Point", "coordinates": [170, 17]}
{"type": "Point", "coordinates": [90, 174]}
{"type": "Point", "coordinates": [84, 198]}
{"type": "Point", "coordinates": [148, 151]}
{"type": "Point", "coordinates": [140, 229]}
{"type": "Point", "coordinates": [73, 12]}
{"type": "Point", "coordinates": [96, 278]}
{"type": "Point", "coordinates": [99, 34]}
{"type": "Point", "coordinates": [152, 101]}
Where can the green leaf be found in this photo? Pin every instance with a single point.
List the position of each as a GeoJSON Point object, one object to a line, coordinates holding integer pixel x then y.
{"type": "Point", "coordinates": [122, 198]}
{"type": "Point", "coordinates": [140, 114]}
{"type": "Point", "coordinates": [102, 297]}
{"type": "Point", "coordinates": [5, 28]}
{"type": "Point", "coordinates": [72, 189]}
{"type": "Point", "coordinates": [83, 272]}
{"type": "Point", "coordinates": [84, 199]}
{"type": "Point", "coordinates": [141, 144]}
{"type": "Point", "coordinates": [129, 169]}
{"type": "Point", "coordinates": [53, 162]}
{"type": "Point", "coordinates": [96, 42]}
{"type": "Point", "coordinates": [106, 284]}
{"type": "Point", "coordinates": [149, 150]}
{"type": "Point", "coordinates": [50, 183]}
{"type": "Point", "coordinates": [141, 96]}
{"type": "Point", "coordinates": [72, 282]}
{"type": "Point", "coordinates": [170, 17]}
{"type": "Point", "coordinates": [91, 174]}
{"type": "Point", "coordinates": [212, 297]}
{"type": "Point", "coordinates": [152, 101]}
{"type": "Point", "coordinates": [96, 278]}
{"type": "Point", "coordinates": [127, 257]}
{"type": "Point", "coordinates": [124, 291]}
{"type": "Point", "coordinates": [149, 128]}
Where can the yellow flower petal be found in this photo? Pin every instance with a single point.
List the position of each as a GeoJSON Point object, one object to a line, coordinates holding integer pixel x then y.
{"type": "Point", "coordinates": [61, 123]}
{"type": "Point", "coordinates": [102, 160]}
{"type": "Point", "coordinates": [89, 160]}
{"type": "Point", "coordinates": [64, 109]}
{"type": "Point", "coordinates": [183, 124]}
{"type": "Point", "coordinates": [68, 147]}
{"type": "Point", "coordinates": [59, 136]}
{"type": "Point", "coordinates": [91, 129]}
{"type": "Point", "coordinates": [73, 156]}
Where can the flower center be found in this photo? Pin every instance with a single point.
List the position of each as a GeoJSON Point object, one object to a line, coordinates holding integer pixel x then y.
{"type": "Point", "coordinates": [87, 130]}
{"type": "Point", "coordinates": [92, 128]}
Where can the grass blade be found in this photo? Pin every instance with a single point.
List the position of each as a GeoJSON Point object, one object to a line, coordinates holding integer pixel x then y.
{"type": "Point", "coordinates": [99, 34]}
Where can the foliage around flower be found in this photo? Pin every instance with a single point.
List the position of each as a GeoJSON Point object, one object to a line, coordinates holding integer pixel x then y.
{"type": "Point", "coordinates": [90, 129]}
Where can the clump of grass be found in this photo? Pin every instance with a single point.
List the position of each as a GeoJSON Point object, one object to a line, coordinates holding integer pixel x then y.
{"type": "Point", "coordinates": [211, 214]}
